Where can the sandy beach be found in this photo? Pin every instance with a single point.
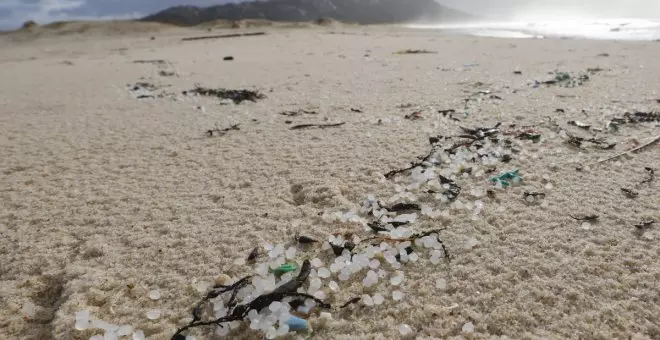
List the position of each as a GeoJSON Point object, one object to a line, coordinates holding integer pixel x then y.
{"type": "Point", "coordinates": [106, 197]}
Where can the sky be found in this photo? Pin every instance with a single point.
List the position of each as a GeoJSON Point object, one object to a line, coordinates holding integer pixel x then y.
{"type": "Point", "coordinates": [14, 12]}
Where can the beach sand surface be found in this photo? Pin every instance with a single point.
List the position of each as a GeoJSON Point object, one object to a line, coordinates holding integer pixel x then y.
{"type": "Point", "coordinates": [106, 197]}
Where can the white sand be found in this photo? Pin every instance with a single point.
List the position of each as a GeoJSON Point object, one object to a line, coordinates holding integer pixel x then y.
{"type": "Point", "coordinates": [102, 192]}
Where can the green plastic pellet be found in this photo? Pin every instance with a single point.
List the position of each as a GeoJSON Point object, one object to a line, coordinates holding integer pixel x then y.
{"type": "Point", "coordinates": [285, 268]}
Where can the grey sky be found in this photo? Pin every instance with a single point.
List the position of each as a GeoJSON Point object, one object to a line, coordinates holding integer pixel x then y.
{"type": "Point", "coordinates": [561, 8]}
{"type": "Point", "coordinates": [15, 12]}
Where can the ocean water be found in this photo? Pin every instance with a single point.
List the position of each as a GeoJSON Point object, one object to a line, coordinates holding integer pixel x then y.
{"type": "Point", "coordinates": [610, 29]}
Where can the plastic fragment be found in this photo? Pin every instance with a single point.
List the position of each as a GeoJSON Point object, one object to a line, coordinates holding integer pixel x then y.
{"type": "Point", "coordinates": [285, 268]}
{"type": "Point", "coordinates": [297, 324]}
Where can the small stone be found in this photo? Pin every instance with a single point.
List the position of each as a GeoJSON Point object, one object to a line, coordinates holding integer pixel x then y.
{"type": "Point", "coordinates": [397, 295]}
{"type": "Point", "coordinates": [333, 286]}
{"type": "Point", "coordinates": [586, 226]}
{"type": "Point", "coordinates": [222, 280]}
{"type": "Point", "coordinates": [468, 327]}
{"type": "Point", "coordinates": [405, 330]}
{"type": "Point", "coordinates": [549, 186]}
{"type": "Point", "coordinates": [153, 314]}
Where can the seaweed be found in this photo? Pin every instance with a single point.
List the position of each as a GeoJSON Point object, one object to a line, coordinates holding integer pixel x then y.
{"type": "Point", "coordinates": [351, 302]}
{"type": "Point", "coordinates": [589, 218]}
{"type": "Point", "coordinates": [305, 239]}
{"type": "Point", "coordinates": [237, 96]}
{"type": "Point", "coordinates": [222, 132]}
{"type": "Point", "coordinates": [237, 312]}
{"type": "Point", "coordinates": [403, 207]}
{"type": "Point", "coordinates": [629, 193]}
{"type": "Point", "coordinates": [253, 254]}
{"type": "Point", "coordinates": [320, 126]}
{"type": "Point", "coordinates": [236, 35]}
{"type": "Point", "coordinates": [298, 113]}
{"type": "Point", "coordinates": [651, 175]}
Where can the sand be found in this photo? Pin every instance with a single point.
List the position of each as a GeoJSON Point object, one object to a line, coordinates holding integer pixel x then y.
{"type": "Point", "coordinates": [105, 196]}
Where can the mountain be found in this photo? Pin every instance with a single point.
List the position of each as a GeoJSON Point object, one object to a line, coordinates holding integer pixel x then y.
{"type": "Point", "coordinates": [354, 11]}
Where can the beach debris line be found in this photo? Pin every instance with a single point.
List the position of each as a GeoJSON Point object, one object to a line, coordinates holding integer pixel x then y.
{"type": "Point", "coordinates": [577, 141]}
{"type": "Point", "coordinates": [223, 36]}
{"type": "Point", "coordinates": [415, 51]}
{"type": "Point", "coordinates": [237, 96]}
{"type": "Point", "coordinates": [320, 126]}
{"type": "Point", "coordinates": [145, 90]}
{"type": "Point", "coordinates": [233, 311]}
{"type": "Point", "coordinates": [151, 61]}
{"type": "Point", "coordinates": [298, 113]}
{"type": "Point", "coordinates": [564, 79]}
{"type": "Point", "coordinates": [470, 137]}
{"type": "Point", "coordinates": [221, 132]}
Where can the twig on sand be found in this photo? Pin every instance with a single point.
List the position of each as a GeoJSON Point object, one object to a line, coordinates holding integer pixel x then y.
{"type": "Point", "coordinates": [222, 132]}
{"type": "Point", "coordinates": [320, 126]}
{"type": "Point", "coordinates": [639, 148]}
{"type": "Point", "coordinates": [224, 36]}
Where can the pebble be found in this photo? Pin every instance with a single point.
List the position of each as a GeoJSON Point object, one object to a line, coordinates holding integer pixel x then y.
{"type": "Point", "coordinates": [586, 226]}
{"type": "Point", "coordinates": [468, 327]}
{"type": "Point", "coordinates": [397, 295]}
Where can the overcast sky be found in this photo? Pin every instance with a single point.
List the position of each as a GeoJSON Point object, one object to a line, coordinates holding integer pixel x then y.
{"type": "Point", "coordinates": [15, 12]}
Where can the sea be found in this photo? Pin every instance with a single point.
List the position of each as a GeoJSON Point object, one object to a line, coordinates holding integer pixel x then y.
{"type": "Point", "coordinates": [607, 29]}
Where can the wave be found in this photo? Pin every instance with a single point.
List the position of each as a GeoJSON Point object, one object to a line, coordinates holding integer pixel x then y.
{"type": "Point", "coordinates": [607, 29]}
